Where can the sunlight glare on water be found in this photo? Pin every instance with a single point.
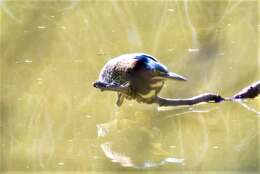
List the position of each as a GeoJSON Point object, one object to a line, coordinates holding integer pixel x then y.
{"type": "Point", "coordinates": [53, 119]}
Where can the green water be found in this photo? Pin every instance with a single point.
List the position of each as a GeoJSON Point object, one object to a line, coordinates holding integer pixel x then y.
{"type": "Point", "coordinates": [52, 119]}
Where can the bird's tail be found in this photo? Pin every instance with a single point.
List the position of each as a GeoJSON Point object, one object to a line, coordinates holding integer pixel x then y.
{"type": "Point", "coordinates": [174, 76]}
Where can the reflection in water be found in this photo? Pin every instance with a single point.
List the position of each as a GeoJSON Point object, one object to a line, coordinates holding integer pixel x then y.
{"type": "Point", "coordinates": [115, 148]}
{"type": "Point", "coordinates": [125, 161]}
{"type": "Point", "coordinates": [249, 108]}
{"type": "Point", "coordinates": [8, 12]}
{"type": "Point", "coordinates": [137, 141]}
{"type": "Point", "coordinates": [195, 43]}
{"type": "Point", "coordinates": [143, 140]}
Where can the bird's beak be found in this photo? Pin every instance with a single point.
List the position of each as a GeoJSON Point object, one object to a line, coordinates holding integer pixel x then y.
{"type": "Point", "coordinates": [175, 76]}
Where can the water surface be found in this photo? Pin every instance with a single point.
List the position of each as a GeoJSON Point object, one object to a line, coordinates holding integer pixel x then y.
{"type": "Point", "coordinates": [52, 119]}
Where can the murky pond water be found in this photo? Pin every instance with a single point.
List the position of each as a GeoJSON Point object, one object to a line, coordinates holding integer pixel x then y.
{"type": "Point", "coordinates": [52, 119]}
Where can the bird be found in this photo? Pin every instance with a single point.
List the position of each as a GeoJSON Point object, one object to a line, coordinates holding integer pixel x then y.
{"type": "Point", "coordinates": [138, 76]}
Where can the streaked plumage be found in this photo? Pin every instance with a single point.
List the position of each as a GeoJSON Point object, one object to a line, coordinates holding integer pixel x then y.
{"type": "Point", "coordinates": [142, 72]}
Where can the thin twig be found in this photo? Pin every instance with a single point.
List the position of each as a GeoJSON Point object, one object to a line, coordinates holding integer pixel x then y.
{"type": "Point", "coordinates": [206, 97]}
{"type": "Point", "coordinates": [248, 92]}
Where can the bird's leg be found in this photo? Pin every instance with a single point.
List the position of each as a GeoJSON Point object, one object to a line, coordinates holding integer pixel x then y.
{"type": "Point", "coordinates": [120, 99]}
{"type": "Point", "coordinates": [125, 89]}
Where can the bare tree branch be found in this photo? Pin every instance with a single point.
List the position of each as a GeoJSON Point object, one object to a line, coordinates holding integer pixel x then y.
{"type": "Point", "coordinates": [250, 91]}
{"type": "Point", "coordinates": [206, 97]}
